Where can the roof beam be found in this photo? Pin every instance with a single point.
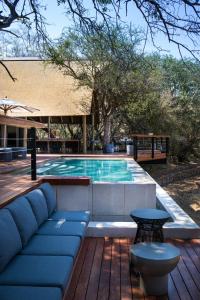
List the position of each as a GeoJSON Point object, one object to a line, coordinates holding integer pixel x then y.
{"type": "Point", "coordinates": [22, 123]}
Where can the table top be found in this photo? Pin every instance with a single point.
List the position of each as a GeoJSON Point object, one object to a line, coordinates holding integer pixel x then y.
{"type": "Point", "coordinates": [155, 251]}
{"type": "Point", "coordinates": [150, 214]}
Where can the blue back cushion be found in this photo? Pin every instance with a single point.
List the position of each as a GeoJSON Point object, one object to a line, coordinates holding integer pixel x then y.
{"type": "Point", "coordinates": [50, 196]}
{"type": "Point", "coordinates": [39, 206]}
{"type": "Point", "coordinates": [24, 218]}
{"type": "Point", "coordinates": [10, 241]}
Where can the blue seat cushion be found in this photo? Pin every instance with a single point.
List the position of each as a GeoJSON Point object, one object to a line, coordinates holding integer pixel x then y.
{"type": "Point", "coordinates": [10, 241]}
{"type": "Point", "coordinates": [63, 227]}
{"type": "Point", "coordinates": [24, 218]}
{"type": "Point", "coordinates": [29, 293]}
{"type": "Point", "coordinates": [52, 245]}
{"type": "Point", "coordinates": [52, 271]}
{"type": "Point", "coordinates": [82, 216]}
{"type": "Point", "coordinates": [39, 205]}
{"type": "Point", "coordinates": [50, 196]}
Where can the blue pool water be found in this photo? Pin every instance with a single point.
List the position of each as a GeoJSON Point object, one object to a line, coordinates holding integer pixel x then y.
{"type": "Point", "coordinates": [98, 169]}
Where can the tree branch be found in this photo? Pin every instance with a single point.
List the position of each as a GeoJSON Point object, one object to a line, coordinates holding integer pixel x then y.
{"type": "Point", "coordinates": [7, 70]}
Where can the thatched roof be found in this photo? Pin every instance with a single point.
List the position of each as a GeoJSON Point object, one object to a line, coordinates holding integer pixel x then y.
{"type": "Point", "coordinates": [44, 87]}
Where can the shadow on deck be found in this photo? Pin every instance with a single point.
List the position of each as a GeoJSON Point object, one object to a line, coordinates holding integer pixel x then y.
{"type": "Point", "coordinates": [102, 272]}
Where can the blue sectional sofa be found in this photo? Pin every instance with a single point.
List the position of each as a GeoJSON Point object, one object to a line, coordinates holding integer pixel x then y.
{"type": "Point", "coordinates": [38, 246]}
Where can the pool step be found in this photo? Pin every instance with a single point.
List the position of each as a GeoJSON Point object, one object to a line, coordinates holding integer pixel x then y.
{"type": "Point", "coordinates": [128, 229]}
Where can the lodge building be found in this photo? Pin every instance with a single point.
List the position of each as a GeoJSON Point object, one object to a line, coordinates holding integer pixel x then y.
{"type": "Point", "coordinates": [41, 85]}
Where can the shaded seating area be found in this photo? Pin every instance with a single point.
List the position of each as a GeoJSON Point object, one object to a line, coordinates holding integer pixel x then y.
{"type": "Point", "coordinates": [37, 262]}
{"type": "Point", "coordinates": [5, 154]}
{"type": "Point", "coordinates": [9, 154]}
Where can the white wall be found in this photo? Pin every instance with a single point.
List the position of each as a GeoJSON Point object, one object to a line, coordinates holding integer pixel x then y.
{"type": "Point", "coordinates": [106, 198]}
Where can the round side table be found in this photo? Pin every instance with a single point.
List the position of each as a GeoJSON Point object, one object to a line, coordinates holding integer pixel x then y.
{"type": "Point", "coordinates": [154, 261]}
{"type": "Point", "coordinates": [149, 224]}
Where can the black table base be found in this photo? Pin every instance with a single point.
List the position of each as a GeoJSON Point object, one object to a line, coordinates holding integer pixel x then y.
{"type": "Point", "coordinates": [149, 224]}
{"type": "Point", "coordinates": [149, 231]}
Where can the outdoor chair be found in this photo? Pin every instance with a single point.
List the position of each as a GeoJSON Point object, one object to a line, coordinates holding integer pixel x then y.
{"type": "Point", "coordinates": [5, 154]}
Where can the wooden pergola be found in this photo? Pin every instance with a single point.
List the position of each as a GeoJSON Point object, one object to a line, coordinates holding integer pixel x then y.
{"type": "Point", "coordinates": [19, 122]}
{"type": "Point", "coordinates": [26, 124]}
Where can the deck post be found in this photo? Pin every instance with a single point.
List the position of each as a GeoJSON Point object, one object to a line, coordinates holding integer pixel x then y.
{"type": "Point", "coordinates": [152, 147]}
{"type": "Point", "coordinates": [33, 153]}
{"type": "Point", "coordinates": [84, 135]}
{"type": "Point", "coordinates": [161, 143]}
{"type": "Point", "coordinates": [17, 136]}
{"type": "Point", "coordinates": [167, 145]}
{"type": "Point", "coordinates": [49, 134]}
{"type": "Point", "coordinates": [25, 136]}
{"type": "Point", "coordinates": [4, 136]}
{"type": "Point", "coordinates": [135, 148]}
{"type": "Point", "coordinates": [92, 132]}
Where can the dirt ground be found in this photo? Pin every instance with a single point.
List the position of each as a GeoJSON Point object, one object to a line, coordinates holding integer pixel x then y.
{"type": "Point", "coordinates": [185, 192]}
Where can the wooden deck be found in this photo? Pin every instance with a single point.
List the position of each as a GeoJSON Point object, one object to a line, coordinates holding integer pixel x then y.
{"type": "Point", "coordinates": [146, 156]}
{"type": "Point", "coordinates": [102, 272]}
{"type": "Point", "coordinates": [12, 184]}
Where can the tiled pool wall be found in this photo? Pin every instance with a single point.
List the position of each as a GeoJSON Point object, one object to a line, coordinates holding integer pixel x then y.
{"type": "Point", "coordinates": [111, 203]}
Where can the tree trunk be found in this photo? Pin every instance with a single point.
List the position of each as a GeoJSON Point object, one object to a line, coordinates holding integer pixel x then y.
{"type": "Point", "coordinates": [107, 130]}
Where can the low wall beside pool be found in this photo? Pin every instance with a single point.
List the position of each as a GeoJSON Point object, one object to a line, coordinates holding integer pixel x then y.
{"type": "Point", "coordinates": [106, 198]}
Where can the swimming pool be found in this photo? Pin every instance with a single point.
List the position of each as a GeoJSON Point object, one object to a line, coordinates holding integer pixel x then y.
{"type": "Point", "coordinates": [100, 170]}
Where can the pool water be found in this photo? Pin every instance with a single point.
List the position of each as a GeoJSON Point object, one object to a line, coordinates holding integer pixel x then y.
{"type": "Point", "coordinates": [98, 169]}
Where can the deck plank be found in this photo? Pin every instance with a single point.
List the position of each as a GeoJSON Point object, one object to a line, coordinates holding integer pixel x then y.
{"type": "Point", "coordinates": [193, 255]}
{"type": "Point", "coordinates": [93, 285]}
{"type": "Point", "coordinates": [172, 291]}
{"type": "Point", "coordinates": [115, 271]}
{"type": "Point", "coordinates": [75, 278]}
{"type": "Point", "coordinates": [125, 271]}
{"type": "Point", "coordinates": [81, 289]}
{"type": "Point", "coordinates": [104, 281]}
{"type": "Point", "coordinates": [180, 285]}
{"type": "Point", "coordinates": [102, 272]}
{"type": "Point", "coordinates": [190, 274]}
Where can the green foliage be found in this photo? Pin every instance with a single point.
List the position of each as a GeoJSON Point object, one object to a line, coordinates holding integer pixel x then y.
{"type": "Point", "coordinates": [183, 80]}
{"type": "Point", "coordinates": [171, 105]}
{"type": "Point", "coordinates": [133, 93]}
{"type": "Point", "coordinates": [106, 62]}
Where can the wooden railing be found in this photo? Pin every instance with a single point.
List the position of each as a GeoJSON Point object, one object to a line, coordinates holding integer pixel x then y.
{"type": "Point", "coordinates": [148, 148]}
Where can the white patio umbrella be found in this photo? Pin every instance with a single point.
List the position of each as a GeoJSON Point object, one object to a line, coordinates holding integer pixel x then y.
{"type": "Point", "coordinates": [7, 105]}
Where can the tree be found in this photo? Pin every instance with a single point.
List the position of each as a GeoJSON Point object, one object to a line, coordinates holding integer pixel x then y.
{"type": "Point", "coordinates": [25, 12]}
{"type": "Point", "coordinates": [25, 46]}
{"type": "Point", "coordinates": [151, 110]}
{"type": "Point", "coordinates": [179, 21]}
{"type": "Point", "coordinates": [184, 89]}
{"type": "Point", "coordinates": [170, 105]}
{"type": "Point", "coordinates": [106, 62]}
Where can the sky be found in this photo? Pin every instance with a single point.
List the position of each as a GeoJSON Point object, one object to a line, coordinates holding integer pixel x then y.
{"type": "Point", "coordinates": [57, 19]}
